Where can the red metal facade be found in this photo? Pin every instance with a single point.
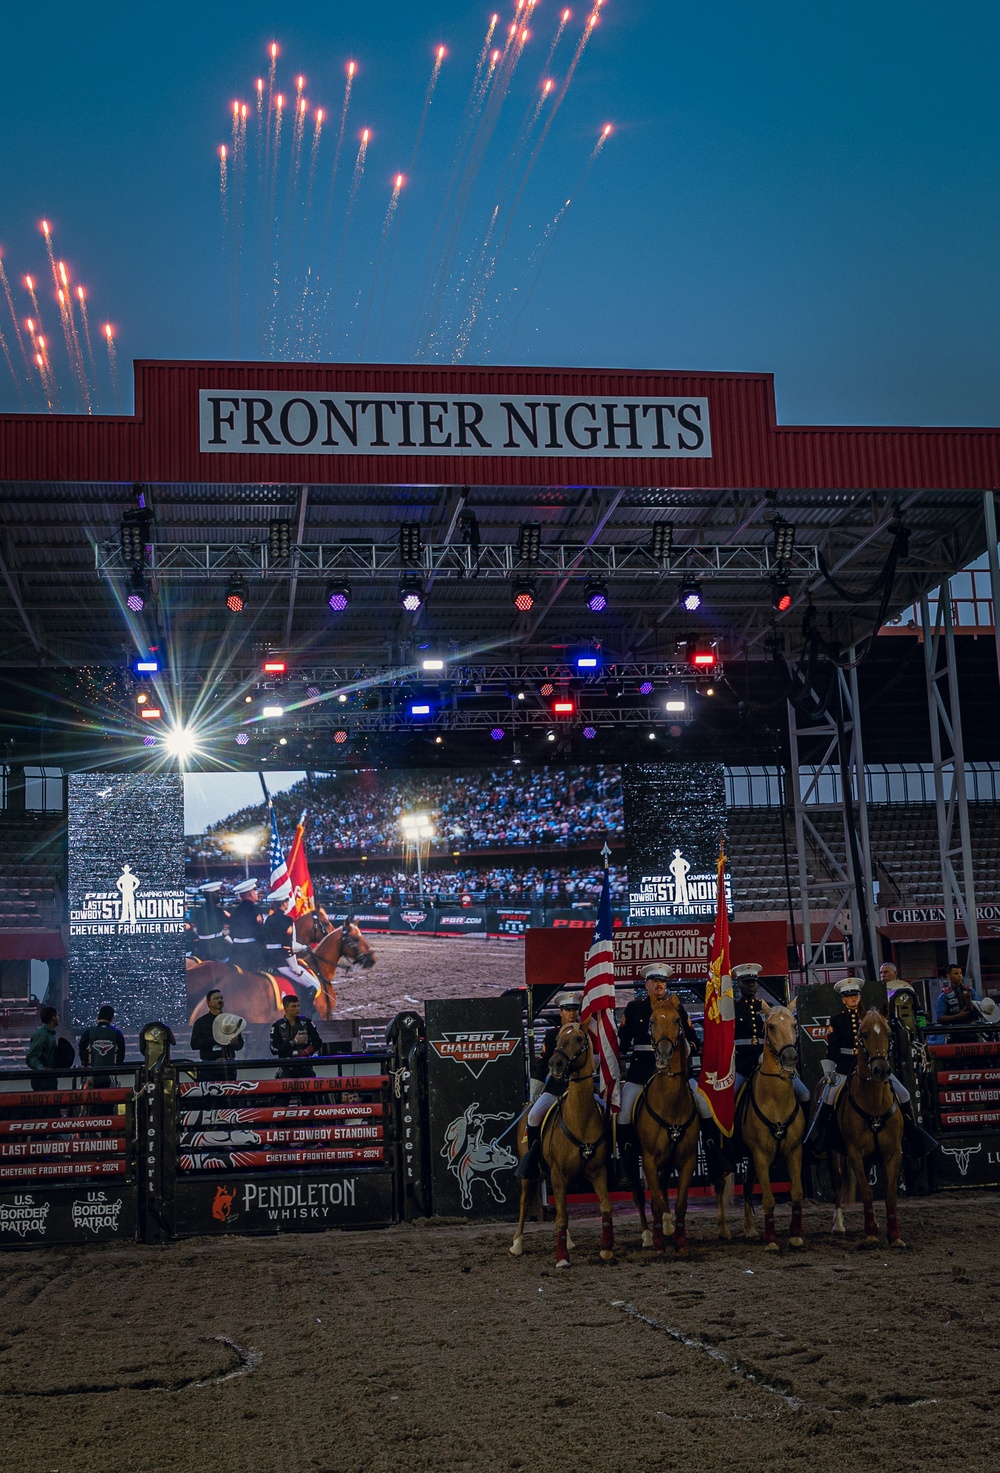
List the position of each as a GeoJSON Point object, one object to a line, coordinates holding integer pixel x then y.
{"type": "Point", "coordinates": [160, 443]}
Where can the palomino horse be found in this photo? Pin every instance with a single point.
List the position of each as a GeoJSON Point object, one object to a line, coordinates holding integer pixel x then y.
{"type": "Point", "coordinates": [871, 1124]}
{"type": "Point", "coordinates": [666, 1127]}
{"type": "Point", "coordinates": [771, 1123]}
{"type": "Point", "coordinates": [573, 1143]}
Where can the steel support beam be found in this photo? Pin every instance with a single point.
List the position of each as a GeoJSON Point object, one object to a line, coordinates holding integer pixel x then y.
{"type": "Point", "coordinates": [834, 784]}
{"type": "Point", "coordinates": [958, 891]}
{"type": "Point", "coordinates": [993, 554]}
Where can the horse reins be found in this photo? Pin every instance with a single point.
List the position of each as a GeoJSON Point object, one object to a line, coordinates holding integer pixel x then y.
{"type": "Point", "coordinates": [674, 1131]}
{"type": "Point", "coordinates": [586, 1148]}
{"type": "Point", "coordinates": [778, 1128]}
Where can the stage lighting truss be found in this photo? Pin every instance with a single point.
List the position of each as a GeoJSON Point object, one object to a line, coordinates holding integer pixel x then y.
{"type": "Point", "coordinates": [279, 541]}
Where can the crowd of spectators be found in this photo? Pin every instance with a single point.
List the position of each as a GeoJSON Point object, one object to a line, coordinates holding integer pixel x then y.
{"type": "Point", "coordinates": [561, 886]}
{"type": "Point", "coordinates": [359, 813]}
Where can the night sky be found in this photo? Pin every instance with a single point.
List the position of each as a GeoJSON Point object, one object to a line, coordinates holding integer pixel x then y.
{"type": "Point", "coordinates": [804, 189]}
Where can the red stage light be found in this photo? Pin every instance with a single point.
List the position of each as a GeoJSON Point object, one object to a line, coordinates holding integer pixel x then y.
{"type": "Point", "coordinates": [150, 713]}
{"type": "Point", "coordinates": [274, 667]}
{"type": "Point", "coordinates": [703, 659]}
{"type": "Point", "coordinates": [564, 708]}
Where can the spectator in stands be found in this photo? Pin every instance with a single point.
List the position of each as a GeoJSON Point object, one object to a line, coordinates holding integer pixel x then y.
{"type": "Point", "coordinates": [102, 1044]}
{"type": "Point", "coordinates": [41, 1057]}
{"type": "Point", "coordinates": [295, 1038]}
{"type": "Point", "coordinates": [888, 974]}
{"type": "Point", "coordinates": [956, 1002]}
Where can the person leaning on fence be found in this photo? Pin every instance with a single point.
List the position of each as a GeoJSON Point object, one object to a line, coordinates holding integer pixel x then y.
{"type": "Point", "coordinates": [295, 1038]}
{"type": "Point", "coordinates": [102, 1044]}
{"type": "Point", "coordinates": [42, 1056]}
{"type": "Point", "coordinates": [840, 1063]}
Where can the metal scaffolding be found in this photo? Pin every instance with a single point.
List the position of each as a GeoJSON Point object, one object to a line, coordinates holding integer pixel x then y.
{"type": "Point", "coordinates": [835, 784]}
{"type": "Point", "coordinates": [958, 892]}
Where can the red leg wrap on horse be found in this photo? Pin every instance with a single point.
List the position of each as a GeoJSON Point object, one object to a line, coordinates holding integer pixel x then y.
{"type": "Point", "coordinates": [561, 1249]}
{"type": "Point", "coordinates": [680, 1237]}
{"type": "Point", "coordinates": [658, 1238]}
{"type": "Point", "coordinates": [871, 1228]}
{"type": "Point", "coordinates": [770, 1236]}
{"type": "Point", "coordinates": [607, 1232]}
{"type": "Point", "coordinates": [892, 1224]}
{"type": "Point", "coordinates": [796, 1228]}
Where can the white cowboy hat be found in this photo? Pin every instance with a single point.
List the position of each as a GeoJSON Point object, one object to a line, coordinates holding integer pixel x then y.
{"type": "Point", "coordinates": [567, 1000]}
{"type": "Point", "coordinates": [226, 1027]}
{"type": "Point", "coordinates": [245, 886]}
{"type": "Point", "coordinates": [745, 969]}
{"type": "Point", "coordinates": [849, 984]}
{"type": "Point", "coordinates": [657, 972]}
{"type": "Point", "coordinates": [988, 1011]}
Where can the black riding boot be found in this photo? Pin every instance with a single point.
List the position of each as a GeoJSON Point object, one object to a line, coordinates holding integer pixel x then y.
{"type": "Point", "coordinates": [628, 1156]}
{"type": "Point", "coordinates": [917, 1142]}
{"type": "Point", "coordinates": [819, 1129]}
{"type": "Point", "coordinates": [529, 1168]}
{"type": "Point", "coordinates": [716, 1162]}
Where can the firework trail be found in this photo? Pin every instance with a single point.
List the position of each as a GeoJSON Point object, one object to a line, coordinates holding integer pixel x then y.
{"type": "Point", "coordinates": [539, 256]}
{"type": "Point", "coordinates": [43, 366]}
{"type": "Point", "coordinates": [390, 215]}
{"type": "Point", "coordinates": [435, 73]}
{"type": "Point", "coordinates": [359, 169]}
{"type": "Point", "coordinates": [79, 367]}
{"type": "Point", "coordinates": [109, 338]}
{"type": "Point", "coordinates": [13, 318]}
{"type": "Point", "coordinates": [61, 299]}
{"type": "Point", "coordinates": [30, 284]}
{"type": "Point", "coordinates": [266, 192]}
{"type": "Point", "coordinates": [351, 72]}
{"type": "Point", "coordinates": [273, 226]}
{"type": "Point", "coordinates": [224, 194]}
{"type": "Point", "coordinates": [82, 299]}
{"type": "Point", "coordinates": [10, 364]}
{"type": "Point", "coordinates": [303, 276]}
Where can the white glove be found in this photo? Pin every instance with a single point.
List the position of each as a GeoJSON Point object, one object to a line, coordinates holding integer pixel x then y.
{"type": "Point", "coordinates": [828, 1067]}
{"type": "Point", "coordinates": [298, 947]}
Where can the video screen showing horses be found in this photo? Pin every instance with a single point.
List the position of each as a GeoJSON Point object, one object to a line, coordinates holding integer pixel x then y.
{"type": "Point", "coordinates": [401, 885]}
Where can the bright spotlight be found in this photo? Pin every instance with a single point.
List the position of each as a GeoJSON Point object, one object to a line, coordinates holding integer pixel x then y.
{"type": "Point", "coordinates": [596, 595]}
{"type": "Point", "coordinates": [180, 742]}
{"type": "Point", "coordinates": [690, 595]}
{"type": "Point", "coordinates": [338, 596]}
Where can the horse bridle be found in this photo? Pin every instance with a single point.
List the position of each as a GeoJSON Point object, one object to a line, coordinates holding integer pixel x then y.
{"type": "Point", "coordinates": [572, 1060]}
{"type": "Point", "coordinates": [871, 1058]}
{"type": "Point", "coordinates": [783, 1069]}
{"type": "Point", "coordinates": [671, 1048]}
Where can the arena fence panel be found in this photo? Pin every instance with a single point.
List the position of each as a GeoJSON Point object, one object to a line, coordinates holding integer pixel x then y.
{"type": "Point", "coordinates": [967, 1105]}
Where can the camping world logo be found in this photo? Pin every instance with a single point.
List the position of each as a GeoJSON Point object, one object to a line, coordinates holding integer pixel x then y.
{"type": "Point", "coordinates": [475, 1050]}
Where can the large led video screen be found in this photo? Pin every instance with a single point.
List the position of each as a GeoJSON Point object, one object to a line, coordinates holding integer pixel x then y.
{"type": "Point", "coordinates": [443, 872]}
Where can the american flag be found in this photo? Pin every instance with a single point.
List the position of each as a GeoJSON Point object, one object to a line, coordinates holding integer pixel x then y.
{"type": "Point", "coordinates": [280, 883]}
{"type": "Point", "coordinates": [599, 999]}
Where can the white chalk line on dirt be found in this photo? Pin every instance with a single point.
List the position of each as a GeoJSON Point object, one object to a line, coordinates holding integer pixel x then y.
{"type": "Point", "coordinates": [710, 1350]}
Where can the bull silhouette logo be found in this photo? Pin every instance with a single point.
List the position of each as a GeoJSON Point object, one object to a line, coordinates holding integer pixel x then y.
{"type": "Point", "coordinates": [223, 1204]}
{"type": "Point", "coordinates": [472, 1157]}
{"type": "Point", "coordinates": [963, 1155]}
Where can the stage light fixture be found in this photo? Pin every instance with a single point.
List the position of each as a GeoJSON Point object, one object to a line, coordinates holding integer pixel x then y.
{"type": "Point", "coordinates": [180, 742]}
{"type": "Point", "coordinates": [782, 541]}
{"type": "Point", "coordinates": [702, 659]}
{"type": "Point", "coordinates": [690, 594]}
{"type": "Point", "coordinates": [420, 708]}
{"type": "Point", "coordinates": [529, 542]}
{"type": "Point", "coordinates": [148, 666]}
{"type": "Point", "coordinates": [781, 594]}
{"type": "Point", "coordinates": [590, 732]}
{"type": "Point", "coordinates": [596, 595]}
{"type": "Point", "coordinates": [676, 703]}
{"type": "Point", "coordinates": [410, 545]}
{"type": "Point", "coordinates": [312, 692]}
{"type": "Point", "coordinates": [236, 595]}
{"type": "Point", "coordinates": [135, 599]}
{"type": "Point", "coordinates": [411, 595]}
{"type": "Point", "coordinates": [282, 741]}
{"type": "Point", "coordinates": [523, 595]}
{"type": "Point", "coordinates": [662, 541]}
{"type": "Point", "coordinates": [150, 713]}
{"type": "Point", "coordinates": [338, 596]}
{"type": "Point", "coordinates": [432, 664]}
{"type": "Point", "coordinates": [149, 741]}
{"type": "Point", "coordinates": [546, 688]}
{"type": "Point", "coordinates": [587, 662]}
{"type": "Point", "coordinates": [273, 713]}
{"type": "Point", "coordinates": [497, 733]}
{"type": "Point", "coordinates": [279, 541]}
{"type": "Point", "coordinates": [141, 699]}
{"type": "Point", "coordinates": [342, 698]}
{"type": "Point", "coordinates": [563, 708]}
{"type": "Point", "coordinates": [645, 687]}
{"type": "Point", "coordinates": [340, 737]}
{"type": "Point", "coordinates": [133, 538]}
{"type": "Point", "coordinates": [241, 739]}
{"type": "Point", "coordinates": [275, 667]}
{"type": "Point", "coordinates": [550, 736]}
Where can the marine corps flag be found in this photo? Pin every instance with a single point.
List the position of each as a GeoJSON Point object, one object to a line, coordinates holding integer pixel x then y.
{"type": "Point", "coordinates": [717, 1080]}
{"type": "Point", "coordinates": [298, 873]}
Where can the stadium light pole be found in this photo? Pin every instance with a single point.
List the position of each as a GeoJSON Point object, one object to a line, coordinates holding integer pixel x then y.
{"type": "Point", "coordinates": [417, 831]}
{"type": "Point", "coordinates": [244, 844]}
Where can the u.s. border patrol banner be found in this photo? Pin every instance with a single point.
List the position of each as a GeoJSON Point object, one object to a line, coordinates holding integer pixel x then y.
{"type": "Point", "coordinates": [126, 896]}
{"type": "Point", "coordinates": [311, 423]}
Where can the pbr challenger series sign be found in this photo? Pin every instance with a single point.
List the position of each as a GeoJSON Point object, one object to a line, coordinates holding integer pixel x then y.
{"type": "Point", "coordinates": [311, 423]}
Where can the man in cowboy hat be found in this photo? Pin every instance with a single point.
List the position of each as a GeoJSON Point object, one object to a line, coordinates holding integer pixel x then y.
{"type": "Point", "coordinates": [549, 1089]}
{"type": "Point", "coordinates": [840, 1063]}
{"type": "Point", "coordinates": [210, 919]}
{"type": "Point", "coordinates": [750, 1026]}
{"type": "Point", "coordinates": [245, 927]}
{"type": "Point", "coordinates": [635, 1043]}
{"type": "Point", "coordinates": [212, 1048]}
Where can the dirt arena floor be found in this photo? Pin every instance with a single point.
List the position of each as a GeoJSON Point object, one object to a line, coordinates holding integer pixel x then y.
{"type": "Point", "coordinates": [428, 1347]}
{"type": "Point", "coordinates": [409, 969]}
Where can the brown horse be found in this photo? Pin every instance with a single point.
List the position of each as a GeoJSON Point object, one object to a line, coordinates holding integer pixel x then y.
{"type": "Point", "coordinates": [871, 1125]}
{"type": "Point", "coordinates": [255, 996]}
{"type": "Point", "coordinates": [573, 1143]}
{"type": "Point", "coordinates": [335, 945]}
{"type": "Point", "coordinates": [771, 1123]}
{"type": "Point", "coordinates": [666, 1126]}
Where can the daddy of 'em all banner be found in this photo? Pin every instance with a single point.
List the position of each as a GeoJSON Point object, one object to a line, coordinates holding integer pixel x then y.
{"type": "Point", "coordinates": [312, 423]}
{"type": "Point", "coordinates": [675, 814]}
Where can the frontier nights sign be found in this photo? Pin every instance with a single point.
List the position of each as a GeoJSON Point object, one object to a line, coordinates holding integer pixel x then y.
{"type": "Point", "coordinates": [312, 423]}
